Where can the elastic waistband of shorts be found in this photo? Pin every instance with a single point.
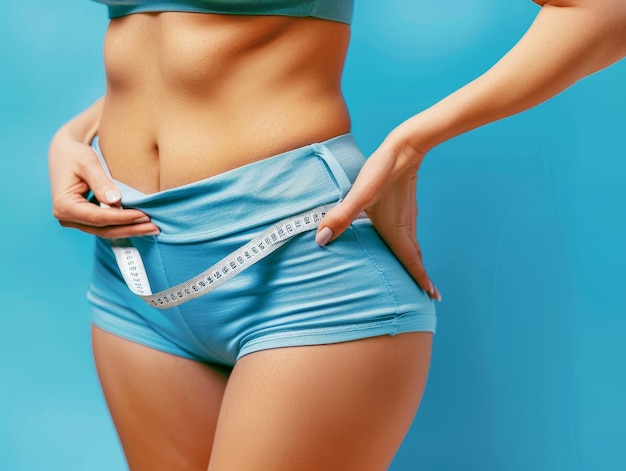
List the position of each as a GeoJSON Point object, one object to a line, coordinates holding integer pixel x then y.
{"type": "Point", "coordinates": [252, 195]}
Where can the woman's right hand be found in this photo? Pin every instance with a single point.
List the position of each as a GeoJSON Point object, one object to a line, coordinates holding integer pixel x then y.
{"type": "Point", "coordinates": [75, 170]}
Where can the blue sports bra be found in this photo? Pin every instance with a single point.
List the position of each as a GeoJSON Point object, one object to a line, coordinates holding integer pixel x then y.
{"type": "Point", "coordinates": [335, 10]}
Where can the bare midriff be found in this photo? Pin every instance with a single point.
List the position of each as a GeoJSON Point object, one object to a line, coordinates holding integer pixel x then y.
{"type": "Point", "coordinates": [192, 95]}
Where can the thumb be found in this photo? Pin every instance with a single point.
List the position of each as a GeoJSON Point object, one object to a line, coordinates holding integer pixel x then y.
{"type": "Point", "coordinates": [336, 221]}
{"type": "Point", "coordinates": [102, 186]}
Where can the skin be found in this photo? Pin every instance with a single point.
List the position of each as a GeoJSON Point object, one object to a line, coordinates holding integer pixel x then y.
{"type": "Point", "coordinates": [584, 37]}
{"type": "Point", "coordinates": [334, 407]}
{"type": "Point", "coordinates": [172, 413]}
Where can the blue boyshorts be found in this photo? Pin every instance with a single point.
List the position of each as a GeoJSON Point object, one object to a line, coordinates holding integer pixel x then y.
{"type": "Point", "coordinates": [301, 294]}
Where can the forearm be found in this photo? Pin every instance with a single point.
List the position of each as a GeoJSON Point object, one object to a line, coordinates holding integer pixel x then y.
{"type": "Point", "coordinates": [84, 126]}
{"type": "Point", "coordinates": [567, 41]}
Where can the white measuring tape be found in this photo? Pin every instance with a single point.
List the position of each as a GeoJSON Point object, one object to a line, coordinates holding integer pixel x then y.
{"type": "Point", "coordinates": [134, 273]}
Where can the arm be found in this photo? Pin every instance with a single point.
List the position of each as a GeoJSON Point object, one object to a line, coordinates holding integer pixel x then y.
{"type": "Point", "coordinates": [84, 126]}
{"type": "Point", "coordinates": [75, 169]}
{"type": "Point", "coordinates": [568, 40]}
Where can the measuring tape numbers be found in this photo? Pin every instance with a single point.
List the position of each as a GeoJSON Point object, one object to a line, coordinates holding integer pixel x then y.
{"type": "Point", "coordinates": [134, 273]}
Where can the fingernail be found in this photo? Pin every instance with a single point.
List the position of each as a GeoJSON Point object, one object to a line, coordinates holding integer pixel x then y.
{"type": "Point", "coordinates": [153, 233]}
{"type": "Point", "coordinates": [142, 219]}
{"type": "Point", "coordinates": [323, 237]}
{"type": "Point", "coordinates": [112, 196]}
{"type": "Point", "coordinates": [433, 291]}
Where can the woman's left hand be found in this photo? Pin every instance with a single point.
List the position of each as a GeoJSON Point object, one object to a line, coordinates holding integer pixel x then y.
{"type": "Point", "coordinates": [386, 190]}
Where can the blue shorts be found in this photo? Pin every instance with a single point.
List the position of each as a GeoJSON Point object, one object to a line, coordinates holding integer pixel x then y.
{"type": "Point", "coordinates": [301, 294]}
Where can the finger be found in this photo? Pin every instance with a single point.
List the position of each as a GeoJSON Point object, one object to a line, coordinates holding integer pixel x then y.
{"type": "Point", "coordinates": [409, 253]}
{"type": "Point", "coordinates": [77, 210]}
{"type": "Point", "coordinates": [102, 186]}
{"type": "Point", "coordinates": [115, 232]}
{"type": "Point", "coordinates": [337, 220]}
{"type": "Point", "coordinates": [93, 215]}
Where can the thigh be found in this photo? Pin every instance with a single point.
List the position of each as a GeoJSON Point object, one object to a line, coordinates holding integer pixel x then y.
{"type": "Point", "coordinates": [164, 407]}
{"type": "Point", "coordinates": [344, 406]}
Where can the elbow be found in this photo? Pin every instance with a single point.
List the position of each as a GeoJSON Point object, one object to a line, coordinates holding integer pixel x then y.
{"type": "Point", "coordinates": [609, 17]}
{"type": "Point", "coordinates": [614, 14]}
{"type": "Point", "coordinates": [622, 26]}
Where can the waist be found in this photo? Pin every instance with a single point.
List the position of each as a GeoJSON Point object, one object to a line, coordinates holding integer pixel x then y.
{"type": "Point", "coordinates": [193, 95]}
{"type": "Point", "coordinates": [250, 196]}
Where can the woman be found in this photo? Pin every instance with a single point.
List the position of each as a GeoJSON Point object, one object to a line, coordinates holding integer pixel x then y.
{"type": "Point", "coordinates": [221, 119]}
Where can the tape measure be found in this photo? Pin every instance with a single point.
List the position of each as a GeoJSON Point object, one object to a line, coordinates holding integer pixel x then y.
{"type": "Point", "coordinates": [134, 273]}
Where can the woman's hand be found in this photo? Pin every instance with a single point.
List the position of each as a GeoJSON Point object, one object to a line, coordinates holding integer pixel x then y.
{"type": "Point", "coordinates": [75, 170]}
{"type": "Point", "coordinates": [386, 190]}
{"type": "Point", "coordinates": [584, 37]}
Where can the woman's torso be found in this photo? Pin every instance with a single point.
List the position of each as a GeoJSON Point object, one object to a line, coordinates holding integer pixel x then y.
{"type": "Point", "coordinates": [191, 95]}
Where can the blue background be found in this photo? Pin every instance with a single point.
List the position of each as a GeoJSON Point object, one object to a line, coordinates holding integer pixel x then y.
{"type": "Point", "coordinates": [521, 222]}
